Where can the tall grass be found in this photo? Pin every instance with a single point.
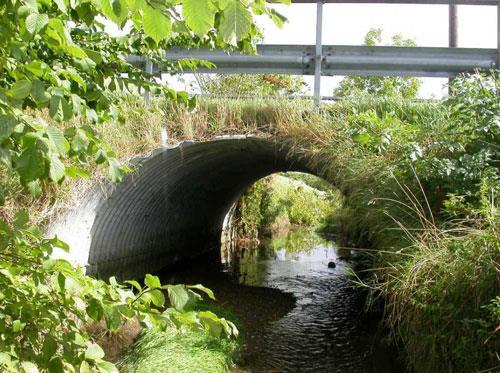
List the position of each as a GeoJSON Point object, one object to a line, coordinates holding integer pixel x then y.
{"type": "Point", "coordinates": [439, 301]}
{"type": "Point", "coordinates": [440, 288]}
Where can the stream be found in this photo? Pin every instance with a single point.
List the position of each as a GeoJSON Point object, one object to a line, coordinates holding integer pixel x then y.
{"type": "Point", "coordinates": [296, 313]}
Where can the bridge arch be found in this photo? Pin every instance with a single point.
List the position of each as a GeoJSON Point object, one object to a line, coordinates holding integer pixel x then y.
{"type": "Point", "coordinates": [173, 207]}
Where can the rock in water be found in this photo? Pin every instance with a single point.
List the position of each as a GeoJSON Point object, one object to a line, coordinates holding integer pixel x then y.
{"type": "Point", "coordinates": [331, 265]}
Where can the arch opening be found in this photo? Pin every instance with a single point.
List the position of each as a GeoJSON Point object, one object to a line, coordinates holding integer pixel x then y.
{"type": "Point", "coordinates": [291, 205]}
{"type": "Point", "coordinates": [173, 208]}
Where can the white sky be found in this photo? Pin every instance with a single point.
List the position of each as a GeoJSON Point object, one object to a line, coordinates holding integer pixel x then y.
{"type": "Point", "coordinates": [347, 24]}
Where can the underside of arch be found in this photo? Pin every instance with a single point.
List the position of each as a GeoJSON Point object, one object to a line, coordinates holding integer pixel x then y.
{"type": "Point", "coordinates": [173, 207]}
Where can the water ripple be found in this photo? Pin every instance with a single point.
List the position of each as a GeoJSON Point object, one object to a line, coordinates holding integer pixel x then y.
{"type": "Point", "coordinates": [323, 333]}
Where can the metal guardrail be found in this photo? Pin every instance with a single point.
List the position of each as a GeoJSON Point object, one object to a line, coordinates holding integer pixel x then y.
{"type": "Point", "coordinates": [328, 60]}
{"type": "Point", "coordinates": [341, 60]}
{"type": "Point", "coordinates": [423, 2]}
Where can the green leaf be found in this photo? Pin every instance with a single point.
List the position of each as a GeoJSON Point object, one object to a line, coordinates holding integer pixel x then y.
{"type": "Point", "coordinates": [75, 172]}
{"type": "Point", "coordinates": [94, 352]}
{"type": "Point", "coordinates": [57, 142]}
{"type": "Point", "coordinates": [278, 19]}
{"type": "Point", "coordinates": [62, 6]}
{"type": "Point", "coordinates": [204, 289]}
{"type": "Point", "coordinates": [35, 22]}
{"type": "Point", "coordinates": [107, 367]}
{"type": "Point", "coordinates": [5, 157]}
{"type": "Point", "coordinates": [95, 310]}
{"type": "Point", "coordinates": [36, 67]}
{"type": "Point", "coordinates": [2, 196]}
{"type": "Point", "coordinates": [18, 326]}
{"type": "Point", "coordinates": [85, 367]}
{"type": "Point", "coordinates": [126, 311]}
{"type": "Point", "coordinates": [59, 108]}
{"type": "Point", "coordinates": [38, 92]}
{"type": "Point", "coordinates": [211, 323]}
{"type": "Point", "coordinates": [20, 90]}
{"type": "Point", "coordinates": [32, 5]}
{"type": "Point", "coordinates": [179, 297]}
{"type": "Point", "coordinates": [157, 297]}
{"type": "Point", "coordinates": [58, 33]}
{"type": "Point", "coordinates": [5, 360]}
{"type": "Point", "coordinates": [86, 13]}
{"type": "Point", "coordinates": [115, 10]}
{"type": "Point", "coordinates": [60, 244]}
{"type": "Point", "coordinates": [76, 51]}
{"type": "Point", "coordinates": [116, 171]}
{"type": "Point", "coordinates": [199, 15]}
{"type": "Point", "coordinates": [93, 55]}
{"type": "Point", "coordinates": [56, 365]}
{"type": "Point", "coordinates": [152, 281]}
{"type": "Point", "coordinates": [21, 219]}
{"type": "Point", "coordinates": [58, 265]}
{"type": "Point", "coordinates": [55, 107]}
{"type": "Point", "coordinates": [135, 284]}
{"type": "Point", "coordinates": [113, 282]}
{"type": "Point", "coordinates": [49, 346]}
{"type": "Point", "coordinates": [61, 282]}
{"type": "Point", "coordinates": [156, 24]}
{"type": "Point", "coordinates": [31, 164]}
{"type": "Point", "coordinates": [187, 318]}
{"type": "Point", "coordinates": [7, 124]}
{"type": "Point", "coordinates": [80, 141]}
{"type": "Point", "coordinates": [34, 187]}
{"type": "Point", "coordinates": [56, 168]}
{"type": "Point", "coordinates": [113, 318]}
{"type": "Point", "coordinates": [236, 22]}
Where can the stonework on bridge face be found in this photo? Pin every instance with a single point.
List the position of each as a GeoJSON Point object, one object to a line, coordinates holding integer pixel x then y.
{"type": "Point", "coordinates": [172, 207]}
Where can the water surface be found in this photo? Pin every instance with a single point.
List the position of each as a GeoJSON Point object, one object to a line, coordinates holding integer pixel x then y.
{"type": "Point", "coordinates": [326, 330]}
{"type": "Point", "coordinates": [296, 313]}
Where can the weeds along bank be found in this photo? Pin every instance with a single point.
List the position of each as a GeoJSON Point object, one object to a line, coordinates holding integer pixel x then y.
{"type": "Point", "coordinates": [419, 184]}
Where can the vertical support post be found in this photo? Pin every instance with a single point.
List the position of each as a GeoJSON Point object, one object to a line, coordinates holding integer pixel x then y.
{"type": "Point", "coordinates": [498, 37]}
{"type": "Point", "coordinates": [452, 34]}
{"type": "Point", "coordinates": [318, 53]}
{"type": "Point", "coordinates": [453, 26]}
{"type": "Point", "coordinates": [149, 70]}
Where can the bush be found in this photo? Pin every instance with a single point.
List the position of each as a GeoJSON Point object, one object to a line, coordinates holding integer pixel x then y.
{"type": "Point", "coordinates": [279, 201]}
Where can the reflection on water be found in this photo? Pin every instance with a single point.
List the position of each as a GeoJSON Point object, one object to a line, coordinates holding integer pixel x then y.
{"type": "Point", "coordinates": [250, 265]}
{"type": "Point", "coordinates": [324, 331]}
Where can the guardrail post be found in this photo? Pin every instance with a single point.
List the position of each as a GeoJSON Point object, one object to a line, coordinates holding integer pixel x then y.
{"type": "Point", "coordinates": [453, 27]}
{"type": "Point", "coordinates": [452, 35]}
{"type": "Point", "coordinates": [147, 94]}
{"type": "Point", "coordinates": [498, 37]}
{"type": "Point", "coordinates": [318, 53]}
